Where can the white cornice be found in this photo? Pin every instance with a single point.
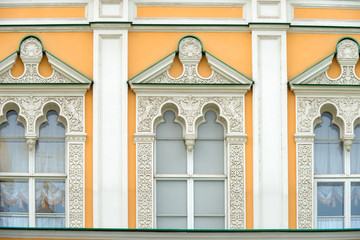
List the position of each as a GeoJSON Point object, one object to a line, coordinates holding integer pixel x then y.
{"type": "Point", "coordinates": [7, 63]}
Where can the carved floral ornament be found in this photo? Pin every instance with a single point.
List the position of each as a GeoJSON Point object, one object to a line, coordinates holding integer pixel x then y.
{"type": "Point", "coordinates": [190, 96]}
{"type": "Point", "coordinates": [316, 93]}
{"type": "Point", "coordinates": [31, 100]}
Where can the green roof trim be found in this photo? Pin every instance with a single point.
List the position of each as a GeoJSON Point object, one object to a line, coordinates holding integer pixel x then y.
{"type": "Point", "coordinates": [29, 36]}
{"type": "Point", "coordinates": [181, 230]}
{"type": "Point", "coordinates": [196, 84]}
{"type": "Point", "coordinates": [311, 68]}
{"type": "Point", "coordinates": [69, 66]}
{"type": "Point", "coordinates": [322, 26]}
{"type": "Point", "coordinates": [44, 83]}
{"type": "Point", "coordinates": [176, 51]}
{"type": "Point", "coordinates": [325, 85]}
{"type": "Point", "coordinates": [229, 66]}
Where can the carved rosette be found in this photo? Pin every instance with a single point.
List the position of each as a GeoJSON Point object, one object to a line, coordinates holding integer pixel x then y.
{"type": "Point", "coordinates": [190, 109]}
{"type": "Point", "coordinates": [304, 186]}
{"type": "Point", "coordinates": [72, 109]}
{"type": "Point", "coordinates": [76, 185]}
{"type": "Point", "coordinates": [144, 157]}
{"type": "Point", "coordinates": [236, 186]}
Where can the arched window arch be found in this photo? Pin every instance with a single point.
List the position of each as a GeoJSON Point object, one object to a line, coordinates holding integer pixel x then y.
{"type": "Point", "coordinates": [190, 185]}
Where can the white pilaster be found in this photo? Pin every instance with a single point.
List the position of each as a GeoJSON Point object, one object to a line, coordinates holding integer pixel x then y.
{"type": "Point", "coordinates": [110, 129]}
{"type": "Point", "coordinates": [270, 128]}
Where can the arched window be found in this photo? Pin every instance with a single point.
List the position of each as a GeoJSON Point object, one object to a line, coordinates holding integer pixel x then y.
{"type": "Point", "coordinates": [14, 191]}
{"type": "Point", "coordinates": [50, 158]}
{"type": "Point", "coordinates": [329, 174]}
{"type": "Point", "coordinates": [355, 179]}
{"type": "Point", "coordinates": [190, 185]}
{"type": "Point", "coordinates": [32, 181]}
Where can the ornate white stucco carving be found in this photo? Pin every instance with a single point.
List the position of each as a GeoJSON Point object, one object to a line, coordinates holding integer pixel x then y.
{"type": "Point", "coordinates": [190, 108]}
{"type": "Point", "coordinates": [304, 186]}
{"type": "Point", "coordinates": [144, 197]}
{"type": "Point", "coordinates": [76, 185]}
{"type": "Point", "coordinates": [236, 186]}
{"type": "Point", "coordinates": [31, 54]}
{"type": "Point", "coordinates": [308, 108]}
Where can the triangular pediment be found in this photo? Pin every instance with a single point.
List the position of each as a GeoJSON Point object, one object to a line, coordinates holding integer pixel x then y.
{"type": "Point", "coordinates": [347, 55]}
{"type": "Point", "coordinates": [31, 53]}
{"type": "Point", "coordinates": [190, 52]}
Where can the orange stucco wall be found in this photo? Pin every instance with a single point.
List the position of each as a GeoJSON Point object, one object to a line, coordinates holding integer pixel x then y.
{"type": "Point", "coordinates": [191, 12]}
{"type": "Point", "coordinates": [322, 13]}
{"type": "Point", "coordinates": [43, 12]}
{"type": "Point", "coordinates": [145, 49]}
{"type": "Point", "coordinates": [75, 49]}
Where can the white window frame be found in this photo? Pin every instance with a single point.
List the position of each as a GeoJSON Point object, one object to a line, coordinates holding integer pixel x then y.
{"type": "Point", "coordinates": [316, 93]}
{"type": "Point", "coordinates": [32, 96]}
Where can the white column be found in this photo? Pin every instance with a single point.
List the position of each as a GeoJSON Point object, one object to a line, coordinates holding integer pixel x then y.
{"type": "Point", "coordinates": [110, 129]}
{"type": "Point", "coordinates": [270, 129]}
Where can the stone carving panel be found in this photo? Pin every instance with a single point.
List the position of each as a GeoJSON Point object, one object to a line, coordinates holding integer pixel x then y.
{"type": "Point", "coordinates": [72, 108]}
{"type": "Point", "coordinates": [304, 186]}
{"type": "Point", "coordinates": [190, 109]}
{"type": "Point", "coordinates": [308, 109]}
{"type": "Point", "coordinates": [76, 186]}
{"type": "Point", "coordinates": [237, 186]}
{"type": "Point", "coordinates": [31, 53]}
{"type": "Point", "coordinates": [144, 188]}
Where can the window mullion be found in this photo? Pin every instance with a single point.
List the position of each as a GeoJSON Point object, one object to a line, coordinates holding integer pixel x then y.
{"type": "Point", "coordinates": [190, 193]}
{"type": "Point", "coordinates": [32, 188]}
{"type": "Point", "coordinates": [347, 204]}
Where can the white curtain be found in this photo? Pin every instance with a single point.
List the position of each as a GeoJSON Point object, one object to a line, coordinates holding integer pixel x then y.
{"type": "Point", "coordinates": [50, 148]}
{"type": "Point", "coordinates": [330, 208]}
{"type": "Point", "coordinates": [355, 152]}
{"type": "Point", "coordinates": [328, 150]}
{"type": "Point", "coordinates": [13, 148]}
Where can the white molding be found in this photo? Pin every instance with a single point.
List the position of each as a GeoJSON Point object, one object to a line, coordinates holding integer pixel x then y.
{"type": "Point", "coordinates": [270, 134]}
{"type": "Point", "coordinates": [116, 234]}
{"type": "Point", "coordinates": [43, 3]}
{"type": "Point", "coordinates": [110, 168]}
{"type": "Point", "coordinates": [99, 14]}
{"type": "Point", "coordinates": [190, 21]}
{"type": "Point", "coordinates": [345, 4]}
{"type": "Point", "coordinates": [188, 28]}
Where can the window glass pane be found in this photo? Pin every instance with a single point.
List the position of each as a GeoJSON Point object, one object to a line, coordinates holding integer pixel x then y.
{"type": "Point", "coordinates": [14, 196]}
{"type": "Point", "coordinates": [171, 222]}
{"type": "Point", "coordinates": [169, 128]}
{"type": "Point", "coordinates": [355, 222]}
{"type": "Point", "coordinates": [209, 147]}
{"type": "Point", "coordinates": [330, 199]}
{"type": "Point", "coordinates": [50, 148]}
{"type": "Point", "coordinates": [50, 221]}
{"type": "Point", "coordinates": [50, 196]}
{"type": "Point", "coordinates": [328, 150]}
{"type": "Point", "coordinates": [355, 199]}
{"type": "Point", "coordinates": [14, 221]}
{"type": "Point", "coordinates": [209, 223]}
{"type": "Point", "coordinates": [171, 153]}
{"type": "Point", "coordinates": [13, 148]}
{"type": "Point", "coordinates": [170, 156]}
{"type": "Point", "coordinates": [355, 152]}
{"type": "Point", "coordinates": [171, 197]}
{"type": "Point", "coordinates": [330, 223]}
{"type": "Point", "coordinates": [209, 197]}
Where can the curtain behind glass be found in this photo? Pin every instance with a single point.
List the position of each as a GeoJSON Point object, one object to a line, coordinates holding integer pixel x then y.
{"type": "Point", "coordinates": [50, 148]}
{"type": "Point", "coordinates": [13, 148]}
{"type": "Point", "coordinates": [330, 205]}
{"type": "Point", "coordinates": [355, 152]}
{"type": "Point", "coordinates": [328, 151]}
